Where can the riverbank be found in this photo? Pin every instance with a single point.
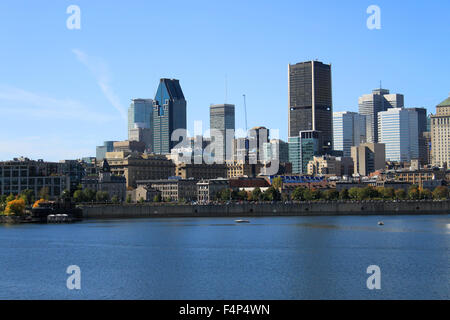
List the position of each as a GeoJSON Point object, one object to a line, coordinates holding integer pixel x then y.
{"type": "Point", "coordinates": [321, 208]}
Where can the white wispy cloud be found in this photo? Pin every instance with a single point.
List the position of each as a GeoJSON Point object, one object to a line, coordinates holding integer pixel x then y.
{"type": "Point", "coordinates": [30, 104]}
{"type": "Point", "coordinates": [102, 74]}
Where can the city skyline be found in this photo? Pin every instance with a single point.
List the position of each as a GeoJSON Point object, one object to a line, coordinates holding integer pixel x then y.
{"type": "Point", "coordinates": [88, 77]}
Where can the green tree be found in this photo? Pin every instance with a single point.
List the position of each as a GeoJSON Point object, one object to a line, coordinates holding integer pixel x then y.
{"type": "Point", "coordinates": [388, 193]}
{"type": "Point", "coordinates": [89, 195]}
{"type": "Point", "coordinates": [157, 198]}
{"type": "Point", "coordinates": [272, 194]}
{"type": "Point", "coordinates": [102, 196]}
{"type": "Point", "coordinates": [426, 194]}
{"type": "Point", "coordinates": [225, 195]}
{"type": "Point", "coordinates": [331, 195]}
{"type": "Point", "coordinates": [128, 199]}
{"type": "Point", "coordinates": [28, 196]}
{"type": "Point", "coordinates": [414, 193]}
{"type": "Point", "coordinates": [343, 195]}
{"type": "Point", "coordinates": [78, 196]}
{"type": "Point", "coordinates": [115, 199]}
{"type": "Point", "coordinates": [141, 200]}
{"type": "Point", "coordinates": [297, 194]}
{"type": "Point", "coordinates": [400, 194]}
{"type": "Point", "coordinates": [277, 183]}
{"type": "Point", "coordinates": [353, 193]}
{"type": "Point", "coordinates": [256, 194]}
{"type": "Point", "coordinates": [441, 193]}
{"type": "Point", "coordinates": [65, 194]}
{"type": "Point", "coordinates": [308, 194]}
{"type": "Point", "coordinates": [44, 193]}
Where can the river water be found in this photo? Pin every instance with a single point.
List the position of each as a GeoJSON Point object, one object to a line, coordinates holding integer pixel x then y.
{"type": "Point", "coordinates": [215, 258]}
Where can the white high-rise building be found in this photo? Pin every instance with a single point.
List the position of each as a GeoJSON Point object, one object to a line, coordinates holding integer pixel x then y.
{"type": "Point", "coordinates": [348, 131]}
{"type": "Point", "coordinates": [398, 130]}
{"type": "Point", "coordinates": [371, 104]}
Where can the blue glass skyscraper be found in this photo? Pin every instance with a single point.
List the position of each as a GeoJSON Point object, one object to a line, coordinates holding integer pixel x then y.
{"type": "Point", "coordinates": [169, 114]}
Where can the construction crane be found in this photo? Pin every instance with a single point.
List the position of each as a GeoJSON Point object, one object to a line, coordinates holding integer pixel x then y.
{"type": "Point", "coordinates": [245, 110]}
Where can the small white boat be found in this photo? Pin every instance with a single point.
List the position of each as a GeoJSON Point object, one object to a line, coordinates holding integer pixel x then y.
{"type": "Point", "coordinates": [381, 223]}
{"type": "Point", "coordinates": [242, 221]}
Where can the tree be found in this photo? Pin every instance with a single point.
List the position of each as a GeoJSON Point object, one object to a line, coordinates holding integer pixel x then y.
{"type": "Point", "coordinates": [388, 193]}
{"type": "Point", "coordinates": [88, 195]}
{"type": "Point", "coordinates": [308, 194]}
{"type": "Point", "coordinates": [224, 195]}
{"type": "Point", "coordinates": [426, 194]}
{"type": "Point", "coordinates": [15, 207]}
{"type": "Point", "coordinates": [44, 193]}
{"type": "Point", "coordinates": [277, 183]}
{"type": "Point", "coordinates": [102, 196]}
{"type": "Point", "coordinates": [414, 193]}
{"type": "Point", "coordinates": [38, 202]}
{"type": "Point", "coordinates": [343, 195]}
{"type": "Point", "coordinates": [256, 194]}
{"type": "Point", "coordinates": [156, 198]}
{"type": "Point", "coordinates": [65, 194]}
{"type": "Point", "coordinates": [400, 194]}
{"type": "Point", "coordinates": [441, 193]}
{"type": "Point", "coordinates": [272, 194]}
{"type": "Point", "coordinates": [331, 195]}
{"type": "Point", "coordinates": [128, 199]}
{"type": "Point", "coordinates": [28, 196]}
{"type": "Point", "coordinates": [141, 200]}
{"type": "Point", "coordinates": [78, 196]}
{"type": "Point", "coordinates": [353, 193]}
{"type": "Point", "coordinates": [115, 199]}
{"type": "Point", "coordinates": [297, 194]}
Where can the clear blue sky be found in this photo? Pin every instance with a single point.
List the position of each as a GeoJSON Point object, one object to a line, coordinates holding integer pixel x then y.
{"type": "Point", "coordinates": [62, 92]}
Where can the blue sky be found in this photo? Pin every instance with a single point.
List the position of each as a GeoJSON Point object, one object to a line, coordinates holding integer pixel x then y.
{"type": "Point", "coordinates": [62, 92]}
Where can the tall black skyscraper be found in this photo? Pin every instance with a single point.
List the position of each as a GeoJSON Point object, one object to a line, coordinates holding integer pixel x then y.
{"type": "Point", "coordinates": [169, 114]}
{"type": "Point", "coordinates": [310, 101]}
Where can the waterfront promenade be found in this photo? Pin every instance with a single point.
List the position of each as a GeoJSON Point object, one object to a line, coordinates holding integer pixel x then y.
{"type": "Point", "coordinates": [248, 209]}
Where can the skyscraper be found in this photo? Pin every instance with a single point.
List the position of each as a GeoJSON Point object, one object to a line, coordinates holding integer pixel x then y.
{"type": "Point", "coordinates": [371, 104]}
{"type": "Point", "coordinates": [368, 158]}
{"type": "Point", "coordinates": [398, 130]}
{"type": "Point", "coordinates": [221, 117]}
{"type": "Point", "coordinates": [302, 149]}
{"type": "Point", "coordinates": [440, 134]}
{"type": "Point", "coordinates": [310, 101]}
{"type": "Point", "coordinates": [169, 114]}
{"type": "Point", "coordinates": [421, 114]}
{"type": "Point", "coordinates": [348, 131]}
{"type": "Point", "coordinates": [140, 121]}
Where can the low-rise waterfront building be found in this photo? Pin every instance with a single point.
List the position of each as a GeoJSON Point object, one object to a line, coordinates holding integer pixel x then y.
{"type": "Point", "coordinates": [173, 189]}
{"type": "Point", "coordinates": [207, 190]}
{"type": "Point", "coordinates": [201, 171]}
{"type": "Point", "coordinates": [23, 174]}
{"type": "Point", "coordinates": [136, 166]}
{"type": "Point", "coordinates": [107, 182]}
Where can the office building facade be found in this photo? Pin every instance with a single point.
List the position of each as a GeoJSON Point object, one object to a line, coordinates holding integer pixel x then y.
{"type": "Point", "coordinates": [368, 158]}
{"type": "Point", "coordinates": [440, 134]}
{"type": "Point", "coordinates": [302, 149]}
{"type": "Point", "coordinates": [222, 123]}
{"type": "Point", "coordinates": [348, 131]}
{"type": "Point", "coordinates": [310, 101]}
{"type": "Point", "coordinates": [169, 114]}
{"type": "Point", "coordinates": [371, 104]}
{"type": "Point", "coordinates": [398, 130]}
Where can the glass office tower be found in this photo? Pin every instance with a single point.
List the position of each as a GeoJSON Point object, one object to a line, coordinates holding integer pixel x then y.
{"type": "Point", "coordinates": [310, 101]}
{"type": "Point", "coordinates": [169, 114]}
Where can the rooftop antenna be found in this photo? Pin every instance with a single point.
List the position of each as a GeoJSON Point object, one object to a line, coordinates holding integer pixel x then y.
{"type": "Point", "coordinates": [381, 85]}
{"type": "Point", "coordinates": [245, 110]}
{"type": "Point", "coordinates": [226, 89]}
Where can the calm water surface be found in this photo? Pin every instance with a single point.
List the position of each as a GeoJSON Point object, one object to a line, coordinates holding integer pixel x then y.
{"type": "Point", "coordinates": [214, 258]}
